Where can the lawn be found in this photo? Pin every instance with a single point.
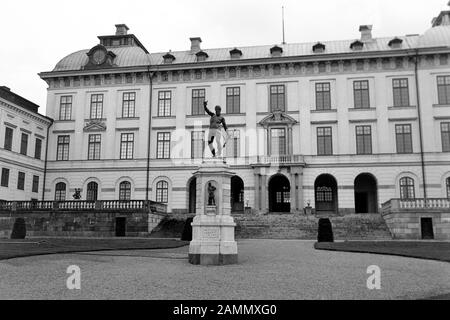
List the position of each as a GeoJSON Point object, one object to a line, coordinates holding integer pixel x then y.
{"type": "Point", "coordinates": [415, 249]}
{"type": "Point", "coordinates": [39, 246]}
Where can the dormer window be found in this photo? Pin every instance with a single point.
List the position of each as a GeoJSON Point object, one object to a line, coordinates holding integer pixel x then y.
{"type": "Point", "coordinates": [201, 56]}
{"type": "Point", "coordinates": [276, 51]}
{"type": "Point", "coordinates": [235, 53]}
{"type": "Point", "coordinates": [357, 45]}
{"type": "Point", "coordinates": [168, 58]}
{"type": "Point", "coordinates": [318, 47]}
{"type": "Point", "coordinates": [395, 43]}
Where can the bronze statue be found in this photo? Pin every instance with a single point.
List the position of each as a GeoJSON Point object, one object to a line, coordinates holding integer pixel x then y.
{"type": "Point", "coordinates": [216, 123]}
{"type": "Point", "coordinates": [211, 197]}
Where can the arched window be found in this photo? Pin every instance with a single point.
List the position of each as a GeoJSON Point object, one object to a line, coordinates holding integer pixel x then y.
{"type": "Point", "coordinates": [125, 191]}
{"type": "Point", "coordinates": [162, 192]}
{"type": "Point", "coordinates": [407, 188]}
{"type": "Point", "coordinates": [60, 191]}
{"type": "Point", "coordinates": [92, 191]}
{"type": "Point", "coordinates": [448, 187]}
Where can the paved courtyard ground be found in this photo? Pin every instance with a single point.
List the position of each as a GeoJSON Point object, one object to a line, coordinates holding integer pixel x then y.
{"type": "Point", "coordinates": [267, 269]}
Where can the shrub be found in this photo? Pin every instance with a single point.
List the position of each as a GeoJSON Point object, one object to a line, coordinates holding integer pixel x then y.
{"type": "Point", "coordinates": [325, 233]}
{"type": "Point", "coordinates": [187, 231]}
{"type": "Point", "coordinates": [19, 230]}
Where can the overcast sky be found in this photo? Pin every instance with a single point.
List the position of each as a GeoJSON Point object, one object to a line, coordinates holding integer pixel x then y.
{"type": "Point", "coordinates": [37, 34]}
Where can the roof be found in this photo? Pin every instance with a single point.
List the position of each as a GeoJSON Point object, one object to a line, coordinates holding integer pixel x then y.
{"type": "Point", "coordinates": [12, 97]}
{"type": "Point", "coordinates": [133, 56]}
{"type": "Point", "coordinates": [435, 37]}
{"type": "Point", "coordinates": [126, 57]}
{"type": "Point", "coordinates": [289, 50]}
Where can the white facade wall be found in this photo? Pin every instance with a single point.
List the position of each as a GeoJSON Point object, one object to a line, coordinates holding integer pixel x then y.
{"type": "Point", "coordinates": [35, 126]}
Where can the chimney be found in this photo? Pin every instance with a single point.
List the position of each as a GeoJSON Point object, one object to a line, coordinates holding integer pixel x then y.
{"type": "Point", "coordinates": [195, 44]}
{"type": "Point", "coordinates": [366, 32]}
{"type": "Point", "coordinates": [121, 29]}
{"type": "Point", "coordinates": [5, 88]}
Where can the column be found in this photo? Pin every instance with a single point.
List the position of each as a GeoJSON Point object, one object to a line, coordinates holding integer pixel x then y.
{"type": "Point", "coordinates": [264, 191]}
{"type": "Point", "coordinates": [257, 205]}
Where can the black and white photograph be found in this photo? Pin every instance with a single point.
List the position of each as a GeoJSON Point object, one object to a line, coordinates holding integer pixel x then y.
{"type": "Point", "coordinates": [223, 156]}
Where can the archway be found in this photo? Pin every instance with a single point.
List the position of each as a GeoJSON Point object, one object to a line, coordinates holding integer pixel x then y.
{"type": "Point", "coordinates": [326, 194]}
{"type": "Point", "coordinates": [279, 194]}
{"type": "Point", "coordinates": [237, 195]}
{"type": "Point", "coordinates": [192, 196]}
{"type": "Point", "coordinates": [366, 198]}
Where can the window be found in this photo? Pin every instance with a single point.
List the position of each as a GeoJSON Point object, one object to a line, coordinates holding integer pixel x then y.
{"type": "Point", "coordinates": [128, 104]}
{"type": "Point", "coordinates": [96, 106]}
{"type": "Point", "coordinates": [361, 94]}
{"type": "Point", "coordinates": [445, 136]}
{"type": "Point", "coordinates": [94, 146]}
{"type": "Point", "coordinates": [162, 192]}
{"type": "Point", "coordinates": [35, 185]}
{"type": "Point", "coordinates": [447, 183]}
{"type": "Point", "coordinates": [323, 96]}
{"type": "Point", "coordinates": [278, 141]}
{"type": "Point", "coordinates": [163, 145]}
{"type": "Point", "coordinates": [38, 148]}
{"type": "Point", "coordinates": [363, 140]}
{"type": "Point", "coordinates": [324, 141]}
{"type": "Point", "coordinates": [65, 108]}
{"type": "Point", "coordinates": [233, 144]}
{"type": "Point", "coordinates": [92, 191]}
{"type": "Point", "coordinates": [324, 194]}
{"type": "Point", "coordinates": [277, 98]}
{"type": "Point", "coordinates": [401, 92]}
{"type": "Point", "coordinates": [198, 97]}
{"type": "Point", "coordinates": [24, 144]}
{"type": "Point", "coordinates": [21, 181]}
{"type": "Point", "coordinates": [125, 191]}
{"type": "Point", "coordinates": [126, 145]}
{"type": "Point", "coordinates": [62, 149]}
{"type": "Point", "coordinates": [8, 138]}
{"type": "Point", "coordinates": [407, 188]}
{"type": "Point", "coordinates": [197, 144]}
{"type": "Point", "coordinates": [5, 177]}
{"type": "Point", "coordinates": [233, 100]}
{"type": "Point", "coordinates": [403, 138]}
{"type": "Point", "coordinates": [164, 103]}
{"type": "Point", "coordinates": [443, 84]}
{"type": "Point", "coordinates": [60, 191]}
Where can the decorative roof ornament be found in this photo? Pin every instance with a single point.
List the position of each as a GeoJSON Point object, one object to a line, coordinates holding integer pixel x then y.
{"type": "Point", "coordinates": [318, 47]}
{"type": "Point", "coordinates": [395, 43]}
{"type": "Point", "coordinates": [357, 45]}
{"type": "Point", "coordinates": [276, 50]}
{"type": "Point", "coordinates": [235, 53]}
{"type": "Point", "coordinates": [100, 57]}
{"type": "Point", "coordinates": [168, 57]}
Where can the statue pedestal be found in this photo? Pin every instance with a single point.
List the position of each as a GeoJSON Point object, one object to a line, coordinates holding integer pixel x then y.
{"type": "Point", "coordinates": [213, 227]}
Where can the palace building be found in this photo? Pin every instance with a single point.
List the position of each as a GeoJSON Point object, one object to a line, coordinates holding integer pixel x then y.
{"type": "Point", "coordinates": [340, 126]}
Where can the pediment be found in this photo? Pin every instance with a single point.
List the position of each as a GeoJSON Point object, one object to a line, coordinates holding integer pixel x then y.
{"type": "Point", "coordinates": [94, 126]}
{"type": "Point", "coordinates": [276, 118]}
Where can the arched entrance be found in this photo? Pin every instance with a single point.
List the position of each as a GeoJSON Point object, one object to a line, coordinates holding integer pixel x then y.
{"type": "Point", "coordinates": [237, 195]}
{"type": "Point", "coordinates": [192, 196]}
{"type": "Point", "coordinates": [366, 198]}
{"type": "Point", "coordinates": [279, 194]}
{"type": "Point", "coordinates": [326, 195]}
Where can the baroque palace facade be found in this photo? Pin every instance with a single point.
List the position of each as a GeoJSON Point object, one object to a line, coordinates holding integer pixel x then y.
{"type": "Point", "coordinates": [342, 126]}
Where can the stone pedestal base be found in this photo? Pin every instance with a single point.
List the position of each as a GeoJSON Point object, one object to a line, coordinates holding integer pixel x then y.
{"type": "Point", "coordinates": [213, 241]}
{"type": "Point", "coordinates": [213, 227]}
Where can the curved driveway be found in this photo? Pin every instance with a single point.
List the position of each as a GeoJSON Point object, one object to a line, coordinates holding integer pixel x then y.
{"type": "Point", "coordinates": [267, 269]}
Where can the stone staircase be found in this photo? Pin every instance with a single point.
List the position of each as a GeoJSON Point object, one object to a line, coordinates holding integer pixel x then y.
{"type": "Point", "coordinates": [296, 226]}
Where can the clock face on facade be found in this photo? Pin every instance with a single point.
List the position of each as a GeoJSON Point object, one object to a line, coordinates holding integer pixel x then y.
{"type": "Point", "coordinates": [99, 57]}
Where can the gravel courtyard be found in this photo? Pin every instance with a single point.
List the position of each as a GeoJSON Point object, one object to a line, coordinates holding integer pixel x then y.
{"type": "Point", "coordinates": [267, 269]}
